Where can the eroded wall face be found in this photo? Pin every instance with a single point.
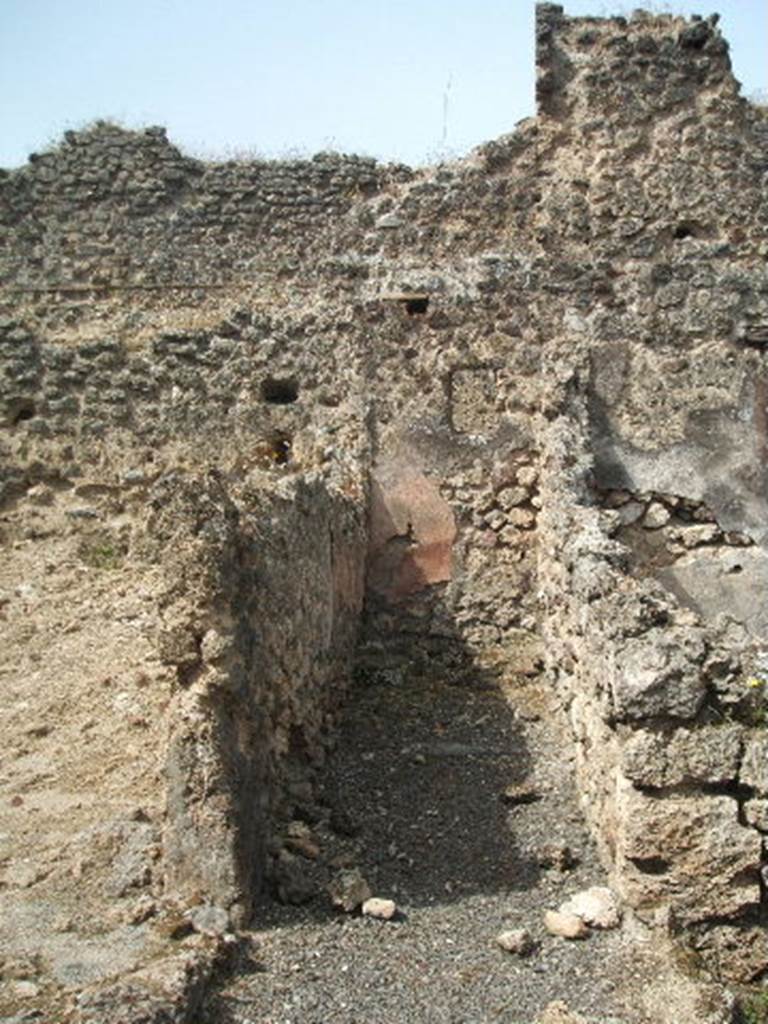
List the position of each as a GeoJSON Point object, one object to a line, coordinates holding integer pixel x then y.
{"type": "Point", "coordinates": [453, 500]}
{"type": "Point", "coordinates": [261, 630]}
{"type": "Point", "coordinates": [520, 395]}
{"type": "Point", "coordinates": [110, 208]}
{"type": "Point", "coordinates": [667, 724]}
{"type": "Point", "coordinates": [201, 474]}
{"type": "Point", "coordinates": [650, 572]}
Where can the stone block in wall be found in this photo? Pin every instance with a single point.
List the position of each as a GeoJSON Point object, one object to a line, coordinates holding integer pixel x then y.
{"type": "Point", "coordinates": [754, 768]}
{"type": "Point", "coordinates": [737, 953]}
{"type": "Point", "coordinates": [710, 754]}
{"type": "Point", "coordinates": [756, 814]}
{"type": "Point", "coordinates": [717, 580]}
{"type": "Point", "coordinates": [689, 852]}
{"type": "Point", "coordinates": [659, 674]}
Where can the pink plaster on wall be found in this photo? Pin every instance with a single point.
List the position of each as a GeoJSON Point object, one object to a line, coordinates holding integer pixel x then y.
{"type": "Point", "coordinates": [412, 532]}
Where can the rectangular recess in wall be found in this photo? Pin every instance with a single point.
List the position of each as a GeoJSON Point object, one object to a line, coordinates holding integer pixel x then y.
{"type": "Point", "coordinates": [414, 303]}
{"type": "Point", "coordinates": [472, 400]}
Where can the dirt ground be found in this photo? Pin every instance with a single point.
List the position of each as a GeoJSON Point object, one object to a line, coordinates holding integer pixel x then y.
{"type": "Point", "coordinates": [82, 732]}
{"type": "Point", "coordinates": [457, 796]}
{"type": "Point", "coordinates": [452, 795]}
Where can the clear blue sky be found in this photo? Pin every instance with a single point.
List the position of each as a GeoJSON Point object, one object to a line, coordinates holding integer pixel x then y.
{"type": "Point", "coordinates": [397, 79]}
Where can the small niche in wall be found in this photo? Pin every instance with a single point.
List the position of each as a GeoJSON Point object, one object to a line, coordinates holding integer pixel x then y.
{"type": "Point", "coordinates": [472, 400]}
{"type": "Point", "coordinates": [755, 336]}
{"type": "Point", "coordinates": [414, 303]}
{"type": "Point", "coordinates": [279, 390]}
{"type": "Point", "coordinates": [651, 865]}
{"type": "Point", "coordinates": [21, 411]}
{"type": "Point", "coordinates": [273, 450]}
{"type": "Point", "coordinates": [281, 449]}
{"type": "Point", "coordinates": [688, 229]}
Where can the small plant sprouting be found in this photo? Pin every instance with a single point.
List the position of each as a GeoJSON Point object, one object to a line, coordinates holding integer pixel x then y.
{"type": "Point", "coordinates": [753, 1007]}
{"type": "Point", "coordinates": [101, 553]}
{"type": "Point", "coordinates": [754, 707]}
{"type": "Point", "coordinates": [754, 704]}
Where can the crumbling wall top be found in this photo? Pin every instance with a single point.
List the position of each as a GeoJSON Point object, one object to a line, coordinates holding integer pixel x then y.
{"type": "Point", "coordinates": [627, 68]}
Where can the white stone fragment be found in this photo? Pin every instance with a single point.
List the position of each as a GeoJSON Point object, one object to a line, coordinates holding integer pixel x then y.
{"type": "Point", "coordinates": [656, 516]}
{"type": "Point", "coordinates": [25, 989]}
{"type": "Point", "coordinates": [379, 908]}
{"type": "Point", "coordinates": [209, 920]}
{"type": "Point", "coordinates": [566, 926]}
{"type": "Point", "coordinates": [598, 907]}
{"type": "Point", "coordinates": [515, 940]}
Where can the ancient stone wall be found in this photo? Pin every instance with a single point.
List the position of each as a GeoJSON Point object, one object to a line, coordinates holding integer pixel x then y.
{"type": "Point", "coordinates": [199, 480]}
{"type": "Point", "coordinates": [506, 410]}
{"type": "Point", "coordinates": [259, 623]}
{"type": "Point", "coordinates": [667, 713]}
{"type": "Point", "coordinates": [116, 208]}
{"type": "Point", "coordinates": [650, 571]}
{"type": "Point", "coordinates": [454, 486]}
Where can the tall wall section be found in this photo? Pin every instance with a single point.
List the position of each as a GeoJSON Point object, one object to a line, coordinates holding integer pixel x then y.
{"type": "Point", "coordinates": [652, 557]}
{"type": "Point", "coordinates": [519, 396]}
{"type": "Point", "coordinates": [184, 538]}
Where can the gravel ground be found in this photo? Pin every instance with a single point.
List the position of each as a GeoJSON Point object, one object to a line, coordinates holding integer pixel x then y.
{"type": "Point", "coordinates": [421, 771]}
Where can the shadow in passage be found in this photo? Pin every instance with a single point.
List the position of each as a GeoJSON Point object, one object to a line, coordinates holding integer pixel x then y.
{"type": "Point", "coordinates": [412, 797]}
{"type": "Point", "coordinates": [428, 745]}
{"type": "Point", "coordinates": [428, 752]}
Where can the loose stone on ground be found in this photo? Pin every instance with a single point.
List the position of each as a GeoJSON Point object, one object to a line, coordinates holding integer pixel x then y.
{"type": "Point", "coordinates": [597, 907]}
{"type": "Point", "coordinates": [382, 909]}
{"type": "Point", "coordinates": [517, 940]}
{"type": "Point", "coordinates": [565, 925]}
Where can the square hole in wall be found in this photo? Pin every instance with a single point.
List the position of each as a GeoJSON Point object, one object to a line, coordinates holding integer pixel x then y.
{"type": "Point", "coordinates": [415, 304]}
{"type": "Point", "coordinates": [279, 390]}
